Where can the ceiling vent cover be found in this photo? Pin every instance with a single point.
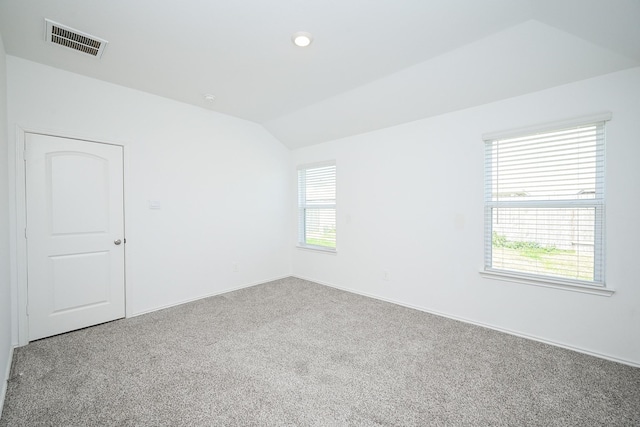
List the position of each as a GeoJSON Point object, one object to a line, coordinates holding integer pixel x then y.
{"type": "Point", "coordinates": [73, 39]}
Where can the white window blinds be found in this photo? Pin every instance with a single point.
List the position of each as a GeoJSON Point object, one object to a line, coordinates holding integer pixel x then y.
{"type": "Point", "coordinates": [317, 206]}
{"type": "Point", "coordinates": [544, 204]}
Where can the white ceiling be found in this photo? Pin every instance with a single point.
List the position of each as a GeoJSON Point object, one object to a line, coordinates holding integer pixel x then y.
{"type": "Point", "coordinates": [372, 64]}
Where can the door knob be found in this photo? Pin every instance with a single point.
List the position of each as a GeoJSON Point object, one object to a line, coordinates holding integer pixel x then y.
{"type": "Point", "coordinates": [117, 242]}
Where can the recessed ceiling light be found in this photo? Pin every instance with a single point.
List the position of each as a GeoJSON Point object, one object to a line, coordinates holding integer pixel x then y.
{"type": "Point", "coordinates": [302, 38]}
{"type": "Point", "coordinates": [209, 97]}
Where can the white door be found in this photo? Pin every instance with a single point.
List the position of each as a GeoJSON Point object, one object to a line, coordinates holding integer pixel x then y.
{"type": "Point", "coordinates": [75, 234]}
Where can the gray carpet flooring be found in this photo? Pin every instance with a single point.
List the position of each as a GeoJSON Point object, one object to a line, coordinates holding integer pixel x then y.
{"type": "Point", "coordinates": [292, 352]}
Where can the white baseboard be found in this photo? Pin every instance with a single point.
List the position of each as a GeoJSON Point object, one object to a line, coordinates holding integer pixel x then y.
{"type": "Point", "coordinates": [213, 294]}
{"type": "Point", "coordinates": [473, 322]}
{"type": "Point", "coordinates": [3, 390]}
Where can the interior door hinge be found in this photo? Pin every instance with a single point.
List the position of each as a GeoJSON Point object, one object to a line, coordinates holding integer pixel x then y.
{"type": "Point", "coordinates": [25, 232]}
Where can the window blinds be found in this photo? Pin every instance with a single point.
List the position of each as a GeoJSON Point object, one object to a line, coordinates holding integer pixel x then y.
{"type": "Point", "coordinates": [544, 203]}
{"type": "Point", "coordinates": [317, 206]}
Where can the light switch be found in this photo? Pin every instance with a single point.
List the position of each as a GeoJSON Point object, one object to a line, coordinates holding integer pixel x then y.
{"type": "Point", "coordinates": [155, 204]}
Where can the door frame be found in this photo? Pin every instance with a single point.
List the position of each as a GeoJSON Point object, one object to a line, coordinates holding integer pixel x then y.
{"type": "Point", "coordinates": [21, 298]}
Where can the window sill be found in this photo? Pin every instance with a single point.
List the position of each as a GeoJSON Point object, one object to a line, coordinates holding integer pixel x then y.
{"type": "Point", "coordinates": [318, 249]}
{"type": "Point", "coordinates": [546, 283]}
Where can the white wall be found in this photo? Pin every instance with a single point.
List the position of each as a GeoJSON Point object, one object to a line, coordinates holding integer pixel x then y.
{"type": "Point", "coordinates": [5, 293]}
{"type": "Point", "coordinates": [223, 183]}
{"type": "Point", "coordinates": [410, 201]}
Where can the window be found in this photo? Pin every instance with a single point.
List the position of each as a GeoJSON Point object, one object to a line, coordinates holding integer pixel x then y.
{"type": "Point", "coordinates": [544, 204]}
{"type": "Point", "coordinates": [317, 206]}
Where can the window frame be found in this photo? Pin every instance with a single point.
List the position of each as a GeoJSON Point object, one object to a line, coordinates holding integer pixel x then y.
{"type": "Point", "coordinates": [302, 207]}
{"type": "Point", "coordinates": [599, 287]}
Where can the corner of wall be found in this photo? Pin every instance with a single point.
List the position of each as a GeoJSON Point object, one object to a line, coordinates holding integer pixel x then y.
{"type": "Point", "coordinates": [5, 287]}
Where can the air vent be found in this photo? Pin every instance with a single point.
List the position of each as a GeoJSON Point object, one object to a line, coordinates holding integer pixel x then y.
{"type": "Point", "coordinates": [73, 39]}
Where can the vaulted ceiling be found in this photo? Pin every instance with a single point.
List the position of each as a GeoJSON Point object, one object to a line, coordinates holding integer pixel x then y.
{"type": "Point", "coordinates": [372, 63]}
